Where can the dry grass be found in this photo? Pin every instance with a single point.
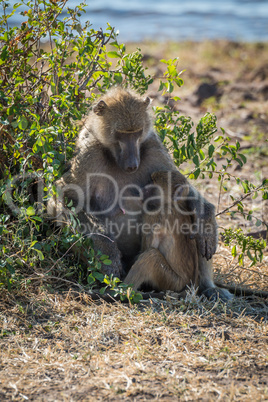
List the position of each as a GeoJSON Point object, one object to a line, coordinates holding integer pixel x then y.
{"type": "Point", "coordinates": [227, 270]}
{"type": "Point", "coordinates": [57, 347]}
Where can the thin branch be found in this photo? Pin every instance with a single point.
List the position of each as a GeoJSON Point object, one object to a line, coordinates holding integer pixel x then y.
{"type": "Point", "coordinates": [97, 296]}
{"type": "Point", "coordinates": [95, 63]}
{"type": "Point", "coordinates": [243, 197]}
{"type": "Point", "coordinates": [219, 198]}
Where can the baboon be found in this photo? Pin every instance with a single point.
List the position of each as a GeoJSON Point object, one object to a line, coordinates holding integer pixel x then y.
{"type": "Point", "coordinates": [116, 153]}
{"type": "Point", "coordinates": [169, 259]}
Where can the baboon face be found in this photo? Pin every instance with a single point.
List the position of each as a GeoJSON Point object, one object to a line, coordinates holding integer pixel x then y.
{"type": "Point", "coordinates": [127, 150]}
{"type": "Point", "coordinates": [123, 125]}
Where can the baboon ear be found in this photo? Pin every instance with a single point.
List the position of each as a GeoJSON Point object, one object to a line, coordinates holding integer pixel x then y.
{"type": "Point", "coordinates": [99, 109]}
{"type": "Point", "coordinates": [147, 101]}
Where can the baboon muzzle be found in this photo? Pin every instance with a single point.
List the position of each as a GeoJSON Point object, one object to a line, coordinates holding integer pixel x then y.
{"type": "Point", "coordinates": [130, 156]}
{"type": "Point", "coordinates": [133, 167]}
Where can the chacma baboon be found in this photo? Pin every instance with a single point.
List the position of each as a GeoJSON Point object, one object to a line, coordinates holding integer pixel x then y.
{"type": "Point", "coordinates": [169, 256]}
{"type": "Point", "coordinates": [116, 153]}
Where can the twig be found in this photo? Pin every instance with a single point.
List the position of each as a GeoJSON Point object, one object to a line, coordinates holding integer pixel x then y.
{"type": "Point", "coordinates": [219, 198]}
{"type": "Point", "coordinates": [243, 197]}
{"type": "Point", "coordinates": [66, 252]}
{"type": "Point", "coordinates": [242, 291]}
{"type": "Point", "coordinates": [95, 63]}
{"type": "Point", "coordinates": [252, 270]}
{"type": "Point", "coordinates": [97, 296]}
{"type": "Point", "coordinates": [107, 297]}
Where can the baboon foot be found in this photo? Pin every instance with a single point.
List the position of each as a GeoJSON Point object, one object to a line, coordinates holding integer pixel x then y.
{"type": "Point", "coordinates": [216, 293]}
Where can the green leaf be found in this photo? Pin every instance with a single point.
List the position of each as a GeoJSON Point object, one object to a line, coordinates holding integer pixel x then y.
{"type": "Point", "coordinates": [103, 256]}
{"type": "Point", "coordinates": [197, 173]}
{"type": "Point", "coordinates": [107, 262]}
{"type": "Point", "coordinates": [37, 218]}
{"type": "Point", "coordinates": [250, 256]}
{"type": "Point", "coordinates": [239, 161]}
{"type": "Point", "coordinates": [234, 252]}
{"type": "Point", "coordinates": [211, 150]}
{"type": "Point", "coordinates": [245, 187]}
{"type": "Point", "coordinates": [196, 160]}
{"type": "Point", "coordinates": [172, 70]}
{"type": "Point", "coordinates": [40, 254]}
{"type": "Point", "coordinates": [90, 279]}
{"type": "Point", "coordinates": [118, 78]}
{"type": "Point", "coordinates": [202, 155]}
{"type": "Point", "coordinates": [4, 53]}
{"type": "Point", "coordinates": [23, 123]}
{"type": "Point", "coordinates": [41, 141]}
{"type": "Point", "coordinates": [113, 55]}
{"type": "Point", "coordinates": [244, 159]}
{"type": "Point", "coordinates": [170, 87]}
{"type": "Point", "coordinates": [53, 88]}
{"type": "Point", "coordinates": [136, 298]}
{"type": "Point", "coordinates": [30, 211]}
{"type": "Point", "coordinates": [240, 259]}
{"type": "Point", "coordinates": [161, 86]}
{"type": "Point", "coordinates": [98, 275]}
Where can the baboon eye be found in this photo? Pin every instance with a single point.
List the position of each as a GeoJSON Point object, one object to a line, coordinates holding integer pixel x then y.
{"type": "Point", "coordinates": [124, 135]}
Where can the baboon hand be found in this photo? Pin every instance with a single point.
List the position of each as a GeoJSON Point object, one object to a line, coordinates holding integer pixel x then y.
{"type": "Point", "coordinates": [207, 237]}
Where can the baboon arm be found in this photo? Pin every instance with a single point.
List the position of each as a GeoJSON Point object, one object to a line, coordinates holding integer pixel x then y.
{"type": "Point", "coordinates": [151, 268]}
{"type": "Point", "coordinates": [158, 159]}
{"type": "Point", "coordinates": [207, 236]}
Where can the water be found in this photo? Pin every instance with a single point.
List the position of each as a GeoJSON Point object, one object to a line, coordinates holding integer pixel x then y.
{"type": "Point", "coordinates": [137, 20]}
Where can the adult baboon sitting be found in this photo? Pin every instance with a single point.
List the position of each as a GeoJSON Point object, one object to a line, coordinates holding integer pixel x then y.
{"type": "Point", "coordinates": [116, 153]}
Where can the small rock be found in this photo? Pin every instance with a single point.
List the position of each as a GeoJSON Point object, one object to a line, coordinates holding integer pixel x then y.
{"type": "Point", "coordinates": [260, 73]}
{"type": "Point", "coordinates": [204, 91]}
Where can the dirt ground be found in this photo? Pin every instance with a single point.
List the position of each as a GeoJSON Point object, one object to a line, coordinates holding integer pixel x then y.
{"type": "Point", "coordinates": [63, 347]}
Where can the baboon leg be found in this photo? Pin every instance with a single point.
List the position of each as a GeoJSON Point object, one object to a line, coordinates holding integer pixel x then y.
{"type": "Point", "coordinates": [102, 241]}
{"type": "Point", "coordinates": [205, 272]}
{"type": "Point", "coordinates": [207, 285]}
{"type": "Point", "coordinates": [151, 268]}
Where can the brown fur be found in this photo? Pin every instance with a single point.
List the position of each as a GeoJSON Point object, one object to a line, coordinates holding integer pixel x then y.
{"type": "Point", "coordinates": [117, 140]}
{"type": "Point", "coordinates": [169, 259]}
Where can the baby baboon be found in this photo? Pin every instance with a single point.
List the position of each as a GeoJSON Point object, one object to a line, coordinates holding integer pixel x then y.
{"type": "Point", "coordinates": [116, 153]}
{"type": "Point", "coordinates": [169, 259]}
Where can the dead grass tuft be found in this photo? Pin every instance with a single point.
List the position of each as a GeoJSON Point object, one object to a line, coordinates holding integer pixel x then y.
{"type": "Point", "coordinates": [57, 347]}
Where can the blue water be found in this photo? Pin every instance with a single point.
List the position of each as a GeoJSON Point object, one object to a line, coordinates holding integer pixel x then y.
{"type": "Point", "coordinates": [137, 20]}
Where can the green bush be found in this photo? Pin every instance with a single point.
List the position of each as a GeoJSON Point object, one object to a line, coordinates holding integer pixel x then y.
{"type": "Point", "coordinates": [51, 70]}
